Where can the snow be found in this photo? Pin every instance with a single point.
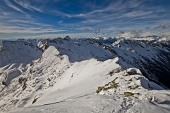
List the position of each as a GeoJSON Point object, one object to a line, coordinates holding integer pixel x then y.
{"type": "Point", "coordinates": [65, 75]}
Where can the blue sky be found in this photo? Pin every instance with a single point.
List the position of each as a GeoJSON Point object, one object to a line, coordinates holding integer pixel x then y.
{"type": "Point", "coordinates": [83, 18]}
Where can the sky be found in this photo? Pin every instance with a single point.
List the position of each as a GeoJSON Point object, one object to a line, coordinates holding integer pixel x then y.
{"type": "Point", "coordinates": [83, 18]}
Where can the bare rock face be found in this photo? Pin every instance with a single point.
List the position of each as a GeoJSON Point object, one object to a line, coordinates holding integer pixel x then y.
{"type": "Point", "coordinates": [133, 71]}
{"type": "Point", "coordinates": [3, 78]}
{"type": "Point", "coordinates": [1, 45]}
{"type": "Point", "coordinates": [67, 38]}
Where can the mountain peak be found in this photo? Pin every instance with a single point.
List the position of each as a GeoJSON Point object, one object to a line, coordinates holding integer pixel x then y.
{"type": "Point", "coordinates": [63, 71]}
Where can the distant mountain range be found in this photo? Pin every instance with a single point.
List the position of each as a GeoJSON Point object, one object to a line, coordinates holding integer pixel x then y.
{"type": "Point", "coordinates": [49, 71]}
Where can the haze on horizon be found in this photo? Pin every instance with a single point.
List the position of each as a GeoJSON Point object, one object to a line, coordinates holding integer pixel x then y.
{"type": "Point", "coordinates": [83, 18]}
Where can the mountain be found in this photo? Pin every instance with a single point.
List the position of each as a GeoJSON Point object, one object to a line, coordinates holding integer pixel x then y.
{"type": "Point", "coordinates": [85, 75]}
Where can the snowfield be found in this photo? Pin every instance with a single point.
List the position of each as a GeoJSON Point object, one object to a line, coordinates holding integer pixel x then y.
{"type": "Point", "coordinates": [80, 76]}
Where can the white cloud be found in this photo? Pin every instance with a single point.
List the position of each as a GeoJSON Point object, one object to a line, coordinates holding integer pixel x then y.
{"type": "Point", "coordinates": [60, 21]}
{"type": "Point", "coordinates": [137, 13]}
{"type": "Point", "coordinates": [45, 36]}
{"type": "Point", "coordinates": [15, 29]}
{"type": "Point", "coordinates": [27, 5]}
{"type": "Point", "coordinates": [113, 17]}
{"type": "Point", "coordinates": [91, 21]}
{"type": "Point", "coordinates": [147, 34]}
{"type": "Point", "coordinates": [134, 34]}
{"type": "Point", "coordinates": [13, 6]}
{"type": "Point", "coordinates": [113, 8]}
{"type": "Point", "coordinates": [139, 33]}
{"type": "Point", "coordinates": [166, 34]}
{"type": "Point", "coordinates": [127, 35]}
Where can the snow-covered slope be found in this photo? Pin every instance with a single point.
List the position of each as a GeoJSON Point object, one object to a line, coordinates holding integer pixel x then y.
{"type": "Point", "coordinates": [15, 55]}
{"type": "Point", "coordinates": [85, 75]}
{"type": "Point", "coordinates": [151, 57]}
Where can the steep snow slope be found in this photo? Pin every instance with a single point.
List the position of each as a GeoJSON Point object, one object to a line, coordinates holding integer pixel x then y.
{"type": "Point", "coordinates": [38, 76]}
{"type": "Point", "coordinates": [151, 57]}
{"type": "Point", "coordinates": [77, 93]}
{"type": "Point", "coordinates": [15, 55]}
{"type": "Point", "coordinates": [90, 75]}
{"type": "Point", "coordinates": [78, 50]}
{"type": "Point", "coordinates": [43, 73]}
{"type": "Point", "coordinates": [80, 79]}
{"type": "Point", "coordinates": [16, 52]}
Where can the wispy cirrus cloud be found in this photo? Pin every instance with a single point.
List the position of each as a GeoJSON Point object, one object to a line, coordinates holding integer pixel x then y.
{"type": "Point", "coordinates": [163, 26]}
{"type": "Point", "coordinates": [14, 29]}
{"type": "Point", "coordinates": [119, 12]}
{"type": "Point", "coordinates": [139, 13]}
{"type": "Point", "coordinates": [13, 22]}
{"type": "Point", "coordinates": [113, 7]}
{"type": "Point", "coordinates": [61, 16]}
{"type": "Point", "coordinates": [11, 5]}
{"type": "Point", "coordinates": [27, 5]}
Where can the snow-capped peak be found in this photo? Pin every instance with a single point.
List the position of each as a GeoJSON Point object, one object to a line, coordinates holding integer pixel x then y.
{"type": "Point", "coordinates": [82, 75]}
